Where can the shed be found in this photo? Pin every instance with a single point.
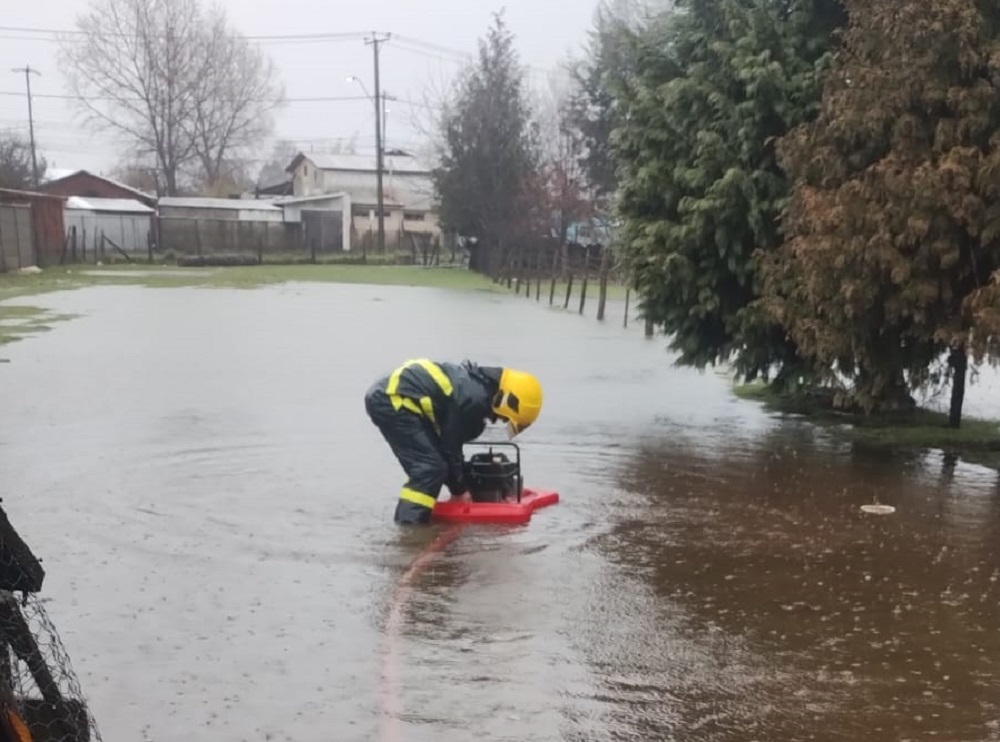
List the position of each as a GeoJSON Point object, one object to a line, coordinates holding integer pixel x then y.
{"type": "Point", "coordinates": [325, 220]}
{"type": "Point", "coordinates": [42, 242]}
{"type": "Point", "coordinates": [126, 223]}
{"type": "Point", "coordinates": [89, 185]}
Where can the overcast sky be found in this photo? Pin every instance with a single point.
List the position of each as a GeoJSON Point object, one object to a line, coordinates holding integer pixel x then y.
{"type": "Point", "coordinates": [430, 37]}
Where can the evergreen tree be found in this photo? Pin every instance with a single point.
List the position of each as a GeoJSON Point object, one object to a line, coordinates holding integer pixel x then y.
{"type": "Point", "coordinates": [894, 227]}
{"type": "Point", "coordinates": [488, 164]}
{"type": "Point", "coordinates": [717, 81]}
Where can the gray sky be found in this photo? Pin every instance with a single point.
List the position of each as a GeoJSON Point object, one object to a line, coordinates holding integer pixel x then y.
{"type": "Point", "coordinates": [432, 35]}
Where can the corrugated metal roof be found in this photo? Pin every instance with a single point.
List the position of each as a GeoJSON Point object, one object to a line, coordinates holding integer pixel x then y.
{"type": "Point", "coordinates": [295, 200]}
{"type": "Point", "coordinates": [366, 163]}
{"type": "Point", "coordinates": [54, 175]}
{"type": "Point", "coordinates": [239, 204]}
{"type": "Point", "coordinates": [117, 205]}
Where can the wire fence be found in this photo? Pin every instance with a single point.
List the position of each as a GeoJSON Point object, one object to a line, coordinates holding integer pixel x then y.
{"type": "Point", "coordinates": [39, 691]}
{"type": "Point", "coordinates": [40, 695]}
{"type": "Point", "coordinates": [548, 268]}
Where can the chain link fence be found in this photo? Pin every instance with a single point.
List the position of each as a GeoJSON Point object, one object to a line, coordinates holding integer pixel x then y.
{"type": "Point", "coordinates": [40, 695]}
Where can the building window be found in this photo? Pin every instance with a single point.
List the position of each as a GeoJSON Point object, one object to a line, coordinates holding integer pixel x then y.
{"type": "Point", "coordinates": [413, 216]}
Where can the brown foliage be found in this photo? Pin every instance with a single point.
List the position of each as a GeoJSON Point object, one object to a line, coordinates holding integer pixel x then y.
{"type": "Point", "coordinates": [893, 228]}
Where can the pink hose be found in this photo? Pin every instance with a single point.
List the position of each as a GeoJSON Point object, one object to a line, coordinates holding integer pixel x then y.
{"type": "Point", "coordinates": [390, 695]}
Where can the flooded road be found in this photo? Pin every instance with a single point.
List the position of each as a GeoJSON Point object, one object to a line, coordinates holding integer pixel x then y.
{"type": "Point", "coordinates": [215, 514]}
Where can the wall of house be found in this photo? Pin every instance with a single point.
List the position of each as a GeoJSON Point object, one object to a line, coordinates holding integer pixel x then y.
{"type": "Point", "coordinates": [129, 231]}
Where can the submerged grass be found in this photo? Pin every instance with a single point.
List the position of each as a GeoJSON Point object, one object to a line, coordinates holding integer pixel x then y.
{"type": "Point", "coordinates": [154, 276]}
{"type": "Point", "coordinates": [18, 322]}
{"type": "Point", "coordinates": [253, 276]}
{"type": "Point", "coordinates": [976, 441]}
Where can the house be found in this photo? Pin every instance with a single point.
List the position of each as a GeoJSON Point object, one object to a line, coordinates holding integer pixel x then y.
{"type": "Point", "coordinates": [125, 222]}
{"type": "Point", "coordinates": [88, 185]}
{"type": "Point", "coordinates": [407, 190]}
{"type": "Point", "coordinates": [31, 229]}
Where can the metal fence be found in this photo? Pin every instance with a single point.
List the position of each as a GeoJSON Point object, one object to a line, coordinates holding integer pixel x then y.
{"type": "Point", "coordinates": [238, 241]}
{"type": "Point", "coordinates": [17, 237]}
{"type": "Point", "coordinates": [131, 234]}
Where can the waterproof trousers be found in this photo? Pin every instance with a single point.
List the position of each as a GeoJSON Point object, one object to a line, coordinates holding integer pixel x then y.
{"type": "Point", "coordinates": [414, 442]}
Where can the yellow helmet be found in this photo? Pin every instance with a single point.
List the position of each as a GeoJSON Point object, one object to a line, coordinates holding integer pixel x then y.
{"type": "Point", "coordinates": [518, 400]}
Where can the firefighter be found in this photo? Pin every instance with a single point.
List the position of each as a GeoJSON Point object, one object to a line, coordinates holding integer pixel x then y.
{"type": "Point", "coordinates": [427, 411]}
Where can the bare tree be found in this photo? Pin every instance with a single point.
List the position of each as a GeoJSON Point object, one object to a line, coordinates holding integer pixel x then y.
{"type": "Point", "coordinates": [15, 162]}
{"type": "Point", "coordinates": [570, 195]}
{"type": "Point", "coordinates": [136, 173]}
{"type": "Point", "coordinates": [233, 102]}
{"type": "Point", "coordinates": [145, 68]}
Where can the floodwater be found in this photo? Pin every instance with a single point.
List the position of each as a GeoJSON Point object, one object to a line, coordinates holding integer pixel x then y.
{"type": "Point", "coordinates": [214, 512]}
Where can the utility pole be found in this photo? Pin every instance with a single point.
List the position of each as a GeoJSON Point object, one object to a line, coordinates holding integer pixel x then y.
{"type": "Point", "coordinates": [28, 72]}
{"type": "Point", "coordinates": [376, 41]}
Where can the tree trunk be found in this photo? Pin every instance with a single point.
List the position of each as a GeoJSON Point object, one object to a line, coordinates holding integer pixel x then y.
{"type": "Point", "coordinates": [959, 363]}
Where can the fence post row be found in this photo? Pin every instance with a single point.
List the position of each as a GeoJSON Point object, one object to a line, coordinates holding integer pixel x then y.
{"type": "Point", "coordinates": [517, 267]}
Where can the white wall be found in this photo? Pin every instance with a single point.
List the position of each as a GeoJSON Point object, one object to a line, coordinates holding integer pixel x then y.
{"type": "Point", "coordinates": [340, 203]}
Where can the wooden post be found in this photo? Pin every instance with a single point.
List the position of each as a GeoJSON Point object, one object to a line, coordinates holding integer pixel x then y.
{"type": "Point", "coordinates": [538, 274]}
{"type": "Point", "coordinates": [568, 272]}
{"type": "Point", "coordinates": [555, 273]}
{"type": "Point", "coordinates": [628, 294]}
{"type": "Point", "coordinates": [649, 327]}
{"type": "Point", "coordinates": [602, 296]}
{"type": "Point", "coordinates": [586, 276]}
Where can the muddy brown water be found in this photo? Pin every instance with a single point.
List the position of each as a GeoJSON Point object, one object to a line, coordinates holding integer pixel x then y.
{"type": "Point", "coordinates": [214, 512]}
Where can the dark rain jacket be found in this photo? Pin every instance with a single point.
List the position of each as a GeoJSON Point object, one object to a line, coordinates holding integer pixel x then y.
{"type": "Point", "coordinates": [459, 417]}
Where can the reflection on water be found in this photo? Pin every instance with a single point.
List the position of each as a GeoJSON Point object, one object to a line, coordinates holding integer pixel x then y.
{"type": "Point", "coordinates": [767, 606]}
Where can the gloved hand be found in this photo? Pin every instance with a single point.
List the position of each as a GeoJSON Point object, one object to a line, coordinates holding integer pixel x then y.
{"type": "Point", "coordinates": [456, 483]}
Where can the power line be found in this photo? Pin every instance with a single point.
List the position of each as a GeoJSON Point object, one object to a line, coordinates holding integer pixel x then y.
{"type": "Point", "coordinates": [338, 36]}
{"type": "Point", "coordinates": [113, 99]}
{"type": "Point", "coordinates": [409, 44]}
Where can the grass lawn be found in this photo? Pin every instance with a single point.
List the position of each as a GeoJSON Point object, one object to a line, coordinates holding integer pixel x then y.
{"type": "Point", "coordinates": [977, 441]}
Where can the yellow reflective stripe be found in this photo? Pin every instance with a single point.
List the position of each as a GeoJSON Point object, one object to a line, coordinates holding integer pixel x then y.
{"type": "Point", "coordinates": [428, 408]}
{"type": "Point", "coordinates": [439, 376]}
{"type": "Point", "coordinates": [418, 498]}
{"type": "Point", "coordinates": [393, 385]}
{"type": "Point", "coordinates": [399, 402]}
